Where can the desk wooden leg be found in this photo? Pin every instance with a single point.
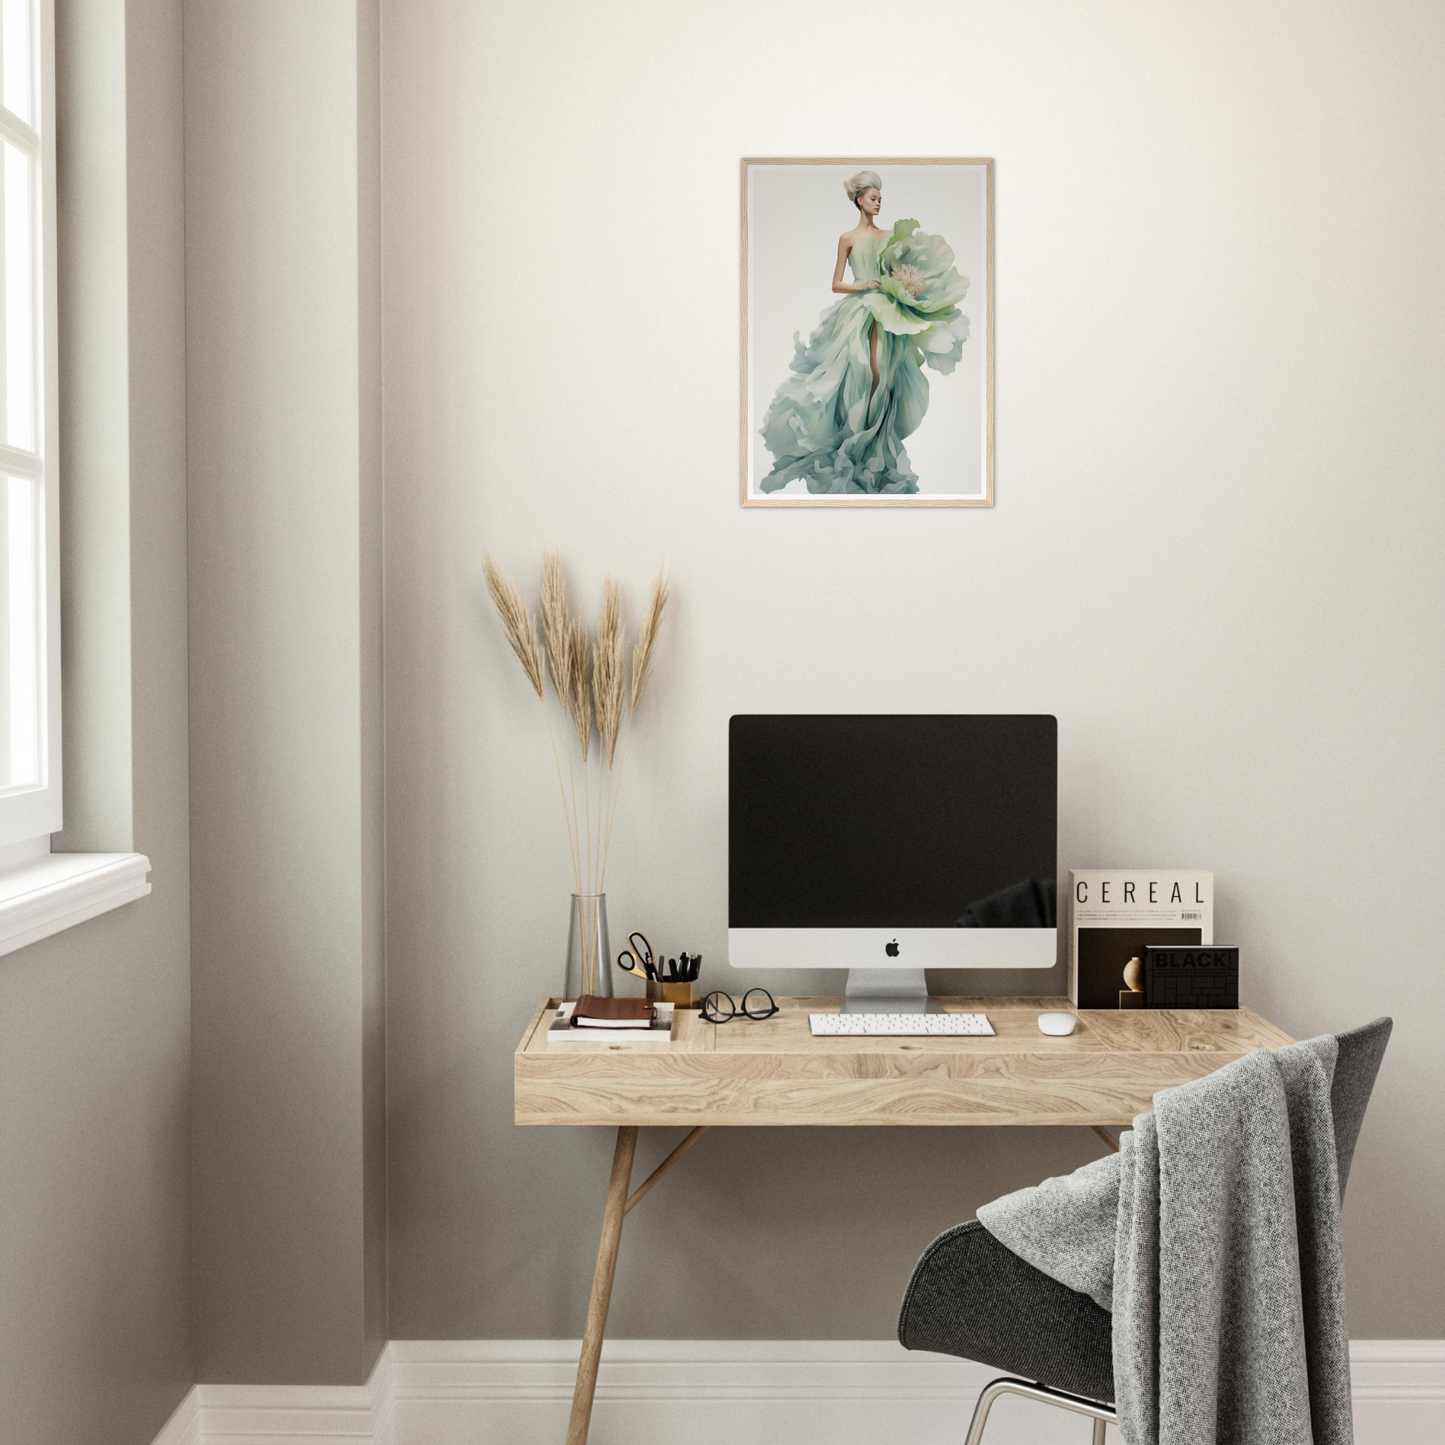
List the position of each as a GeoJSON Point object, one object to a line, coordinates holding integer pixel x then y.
{"type": "Point", "coordinates": [612, 1217]}
{"type": "Point", "coordinates": [640, 1193]}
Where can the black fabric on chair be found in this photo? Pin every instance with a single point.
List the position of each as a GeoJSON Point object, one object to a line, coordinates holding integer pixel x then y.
{"type": "Point", "coordinates": [973, 1297]}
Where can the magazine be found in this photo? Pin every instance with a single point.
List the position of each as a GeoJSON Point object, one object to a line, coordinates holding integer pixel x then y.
{"type": "Point", "coordinates": [1115, 912]}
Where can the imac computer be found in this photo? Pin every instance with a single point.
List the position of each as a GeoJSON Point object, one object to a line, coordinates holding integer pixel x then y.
{"type": "Point", "coordinates": [890, 844]}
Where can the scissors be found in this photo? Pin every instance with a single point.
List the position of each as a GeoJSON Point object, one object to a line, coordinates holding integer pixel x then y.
{"type": "Point", "coordinates": [637, 958]}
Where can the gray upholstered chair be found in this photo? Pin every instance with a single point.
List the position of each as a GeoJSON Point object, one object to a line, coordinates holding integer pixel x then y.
{"type": "Point", "coordinates": [972, 1297]}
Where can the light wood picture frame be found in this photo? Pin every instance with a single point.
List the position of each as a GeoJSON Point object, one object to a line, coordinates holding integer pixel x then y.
{"type": "Point", "coordinates": [887, 398]}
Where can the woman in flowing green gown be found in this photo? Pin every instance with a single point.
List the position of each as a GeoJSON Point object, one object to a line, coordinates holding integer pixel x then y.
{"type": "Point", "coordinates": [858, 388]}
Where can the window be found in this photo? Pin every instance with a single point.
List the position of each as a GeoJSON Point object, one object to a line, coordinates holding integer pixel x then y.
{"type": "Point", "coordinates": [41, 892]}
{"type": "Point", "coordinates": [30, 797]}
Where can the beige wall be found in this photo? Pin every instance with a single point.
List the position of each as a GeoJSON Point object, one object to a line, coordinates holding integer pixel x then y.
{"type": "Point", "coordinates": [1215, 556]}
{"type": "Point", "coordinates": [282, 317]}
{"type": "Point", "coordinates": [95, 1344]}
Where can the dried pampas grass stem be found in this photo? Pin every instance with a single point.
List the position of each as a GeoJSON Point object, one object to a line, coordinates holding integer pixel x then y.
{"type": "Point", "coordinates": [590, 684]}
{"type": "Point", "coordinates": [556, 635]}
{"type": "Point", "coordinates": [641, 671]}
{"type": "Point", "coordinates": [608, 669]}
{"type": "Point", "coordinates": [647, 636]}
{"type": "Point", "coordinates": [579, 686]}
{"type": "Point", "coordinates": [516, 623]}
{"type": "Point", "coordinates": [521, 632]}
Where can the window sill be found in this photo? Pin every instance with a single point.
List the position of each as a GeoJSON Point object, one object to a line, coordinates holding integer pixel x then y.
{"type": "Point", "coordinates": [59, 890]}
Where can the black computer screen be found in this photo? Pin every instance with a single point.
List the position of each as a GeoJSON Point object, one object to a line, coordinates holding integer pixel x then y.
{"type": "Point", "coordinates": [913, 821]}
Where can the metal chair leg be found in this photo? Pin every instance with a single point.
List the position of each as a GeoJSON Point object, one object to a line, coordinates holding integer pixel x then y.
{"type": "Point", "coordinates": [1099, 1413]}
{"type": "Point", "coordinates": [980, 1411]}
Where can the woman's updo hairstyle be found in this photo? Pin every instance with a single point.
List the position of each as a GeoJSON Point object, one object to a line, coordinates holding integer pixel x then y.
{"type": "Point", "coordinates": [856, 185]}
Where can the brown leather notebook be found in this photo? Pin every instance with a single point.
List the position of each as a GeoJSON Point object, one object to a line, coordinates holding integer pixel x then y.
{"type": "Point", "coordinates": [593, 1012]}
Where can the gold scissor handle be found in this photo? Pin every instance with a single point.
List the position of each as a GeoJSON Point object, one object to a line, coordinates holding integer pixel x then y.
{"type": "Point", "coordinates": [638, 961]}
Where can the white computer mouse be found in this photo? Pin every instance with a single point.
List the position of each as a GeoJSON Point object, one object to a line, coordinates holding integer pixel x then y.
{"type": "Point", "coordinates": [1057, 1023]}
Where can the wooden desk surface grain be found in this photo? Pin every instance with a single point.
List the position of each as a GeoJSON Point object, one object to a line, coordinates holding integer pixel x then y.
{"type": "Point", "coordinates": [774, 1072]}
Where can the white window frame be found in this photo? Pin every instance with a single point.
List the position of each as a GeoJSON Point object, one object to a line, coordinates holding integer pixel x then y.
{"type": "Point", "coordinates": [29, 815]}
{"type": "Point", "coordinates": [42, 892]}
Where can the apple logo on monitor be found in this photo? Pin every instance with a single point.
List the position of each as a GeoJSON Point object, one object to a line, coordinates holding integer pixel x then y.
{"type": "Point", "coordinates": [891, 949]}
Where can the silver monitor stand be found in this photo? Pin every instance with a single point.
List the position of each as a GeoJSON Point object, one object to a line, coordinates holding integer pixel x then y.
{"type": "Point", "coordinates": [887, 991]}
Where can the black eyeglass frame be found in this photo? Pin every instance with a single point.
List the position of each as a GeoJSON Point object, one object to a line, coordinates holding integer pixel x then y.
{"type": "Point", "coordinates": [710, 1014]}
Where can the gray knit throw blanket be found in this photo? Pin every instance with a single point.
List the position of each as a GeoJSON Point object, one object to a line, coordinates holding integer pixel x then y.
{"type": "Point", "coordinates": [1214, 1237]}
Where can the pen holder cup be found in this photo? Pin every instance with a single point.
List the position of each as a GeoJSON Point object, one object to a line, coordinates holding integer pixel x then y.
{"type": "Point", "coordinates": [679, 994]}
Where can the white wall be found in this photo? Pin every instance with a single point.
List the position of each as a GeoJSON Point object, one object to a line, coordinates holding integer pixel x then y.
{"type": "Point", "coordinates": [1214, 555]}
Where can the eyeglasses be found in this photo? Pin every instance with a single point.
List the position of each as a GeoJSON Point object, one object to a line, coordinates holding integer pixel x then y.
{"type": "Point", "coordinates": [719, 1008]}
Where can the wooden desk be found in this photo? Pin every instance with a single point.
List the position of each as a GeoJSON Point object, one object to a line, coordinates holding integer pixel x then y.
{"type": "Point", "coordinates": [773, 1072]}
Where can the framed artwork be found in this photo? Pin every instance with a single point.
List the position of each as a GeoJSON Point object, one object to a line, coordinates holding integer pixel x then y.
{"type": "Point", "coordinates": [867, 333]}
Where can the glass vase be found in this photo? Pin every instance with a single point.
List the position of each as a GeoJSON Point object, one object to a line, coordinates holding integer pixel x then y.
{"type": "Point", "coordinates": [589, 952]}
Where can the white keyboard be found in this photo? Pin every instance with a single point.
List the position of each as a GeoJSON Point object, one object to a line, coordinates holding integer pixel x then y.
{"type": "Point", "coordinates": [912, 1026]}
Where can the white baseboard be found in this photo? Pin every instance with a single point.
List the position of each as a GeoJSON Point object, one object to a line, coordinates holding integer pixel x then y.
{"type": "Point", "coordinates": [288, 1414]}
{"type": "Point", "coordinates": [184, 1427]}
{"type": "Point", "coordinates": [714, 1392]}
